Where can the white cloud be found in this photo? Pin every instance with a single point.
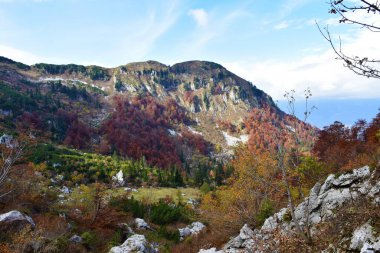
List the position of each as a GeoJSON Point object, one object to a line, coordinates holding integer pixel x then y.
{"type": "Point", "coordinates": [19, 55]}
{"type": "Point", "coordinates": [216, 27]}
{"type": "Point", "coordinates": [282, 25]}
{"type": "Point", "coordinates": [289, 6]}
{"type": "Point", "coordinates": [30, 58]}
{"type": "Point", "coordinates": [325, 75]}
{"type": "Point", "coordinates": [200, 16]}
{"type": "Point", "coordinates": [144, 33]}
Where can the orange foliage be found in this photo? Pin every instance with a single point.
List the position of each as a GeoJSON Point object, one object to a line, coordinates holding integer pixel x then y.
{"type": "Point", "coordinates": [267, 129]}
{"type": "Point", "coordinates": [241, 201]}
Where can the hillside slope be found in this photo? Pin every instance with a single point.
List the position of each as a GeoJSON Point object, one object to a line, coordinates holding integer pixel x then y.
{"type": "Point", "coordinates": [190, 108]}
{"type": "Point", "coordinates": [342, 215]}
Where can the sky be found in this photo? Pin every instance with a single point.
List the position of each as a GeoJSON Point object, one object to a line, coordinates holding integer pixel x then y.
{"type": "Point", "coordinates": [274, 44]}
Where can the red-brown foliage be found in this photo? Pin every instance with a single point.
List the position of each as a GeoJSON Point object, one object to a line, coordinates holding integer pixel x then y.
{"type": "Point", "coordinates": [78, 135]}
{"type": "Point", "coordinates": [76, 132]}
{"type": "Point", "coordinates": [340, 146]}
{"type": "Point", "coordinates": [139, 127]}
{"type": "Point", "coordinates": [267, 128]}
{"type": "Point", "coordinates": [195, 141]}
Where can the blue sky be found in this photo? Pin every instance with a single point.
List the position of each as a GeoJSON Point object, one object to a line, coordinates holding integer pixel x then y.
{"type": "Point", "coordinates": [274, 44]}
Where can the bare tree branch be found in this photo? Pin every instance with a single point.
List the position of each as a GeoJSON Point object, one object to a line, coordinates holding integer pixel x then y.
{"type": "Point", "coordinates": [10, 153]}
{"type": "Point", "coordinates": [361, 66]}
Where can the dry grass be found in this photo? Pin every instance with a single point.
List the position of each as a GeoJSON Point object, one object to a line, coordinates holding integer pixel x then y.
{"type": "Point", "coordinates": [152, 195]}
{"type": "Point", "coordinates": [204, 240]}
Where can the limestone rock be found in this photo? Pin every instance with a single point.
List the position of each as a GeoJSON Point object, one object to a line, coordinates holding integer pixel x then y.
{"type": "Point", "coordinates": [65, 190]}
{"type": "Point", "coordinates": [245, 234]}
{"type": "Point", "coordinates": [363, 239]}
{"type": "Point", "coordinates": [212, 250]}
{"type": "Point", "coordinates": [320, 205]}
{"type": "Point", "coordinates": [141, 224]}
{"type": "Point", "coordinates": [118, 179]}
{"type": "Point", "coordinates": [136, 244]}
{"type": "Point", "coordinates": [76, 239]}
{"type": "Point", "coordinates": [16, 218]}
{"type": "Point", "coordinates": [193, 229]}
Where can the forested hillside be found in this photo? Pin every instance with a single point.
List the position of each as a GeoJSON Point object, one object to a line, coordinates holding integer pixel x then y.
{"type": "Point", "coordinates": [173, 158]}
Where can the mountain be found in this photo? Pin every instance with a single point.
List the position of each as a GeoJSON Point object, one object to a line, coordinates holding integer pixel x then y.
{"type": "Point", "coordinates": [167, 114]}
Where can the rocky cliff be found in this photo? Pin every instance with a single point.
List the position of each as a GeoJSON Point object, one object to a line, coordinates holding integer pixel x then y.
{"type": "Point", "coordinates": [347, 204]}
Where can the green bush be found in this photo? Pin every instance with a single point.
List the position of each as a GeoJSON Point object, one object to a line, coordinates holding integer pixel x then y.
{"type": "Point", "coordinates": [160, 213]}
{"type": "Point", "coordinates": [133, 206]}
{"type": "Point", "coordinates": [163, 213]}
{"type": "Point", "coordinates": [266, 210]}
{"type": "Point", "coordinates": [171, 235]}
{"type": "Point", "coordinates": [89, 239]}
{"type": "Point", "coordinates": [116, 238]}
{"type": "Point", "coordinates": [205, 188]}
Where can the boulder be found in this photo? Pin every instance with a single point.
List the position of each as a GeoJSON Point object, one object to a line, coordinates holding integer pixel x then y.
{"type": "Point", "coordinates": [118, 179]}
{"type": "Point", "coordinates": [16, 219]}
{"type": "Point", "coordinates": [141, 224]}
{"type": "Point", "coordinates": [197, 227]}
{"type": "Point", "coordinates": [65, 190]}
{"type": "Point", "coordinates": [136, 244]}
{"type": "Point", "coordinates": [183, 232]}
{"type": "Point", "coordinates": [237, 242]}
{"type": "Point", "coordinates": [193, 229]}
{"type": "Point", "coordinates": [76, 239]}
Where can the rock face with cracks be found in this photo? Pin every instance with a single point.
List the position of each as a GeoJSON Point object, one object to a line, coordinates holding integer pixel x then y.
{"type": "Point", "coordinates": [319, 206]}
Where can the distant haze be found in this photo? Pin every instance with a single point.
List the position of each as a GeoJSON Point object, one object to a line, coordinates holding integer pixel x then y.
{"type": "Point", "coordinates": [347, 111]}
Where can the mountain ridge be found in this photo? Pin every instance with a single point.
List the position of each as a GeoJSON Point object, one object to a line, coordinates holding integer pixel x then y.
{"type": "Point", "coordinates": [198, 99]}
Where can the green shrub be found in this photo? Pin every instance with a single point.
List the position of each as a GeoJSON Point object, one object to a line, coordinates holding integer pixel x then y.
{"type": "Point", "coordinates": [61, 243]}
{"type": "Point", "coordinates": [116, 238]}
{"type": "Point", "coordinates": [89, 239]}
{"type": "Point", "coordinates": [266, 210]}
{"type": "Point", "coordinates": [169, 234]}
{"type": "Point", "coordinates": [133, 206]}
{"type": "Point", "coordinates": [163, 213]}
{"type": "Point", "coordinates": [205, 188]}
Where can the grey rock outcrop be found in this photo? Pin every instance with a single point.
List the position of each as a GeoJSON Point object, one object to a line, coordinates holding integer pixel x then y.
{"type": "Point", "coordinates": [319, 206]}
{"type": "Point", "coordinates": [16, 218]}
{"type": "Point", "coordinates": [118, 179]}
{"type": "Point", "coordinates": [193, 229]}
{"type": "Point", "coordinates": [364, 235]}
{"type": "Point", "coordinates": [141, 224]}
{"type": "Point", "coordinates": [136, 244]}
